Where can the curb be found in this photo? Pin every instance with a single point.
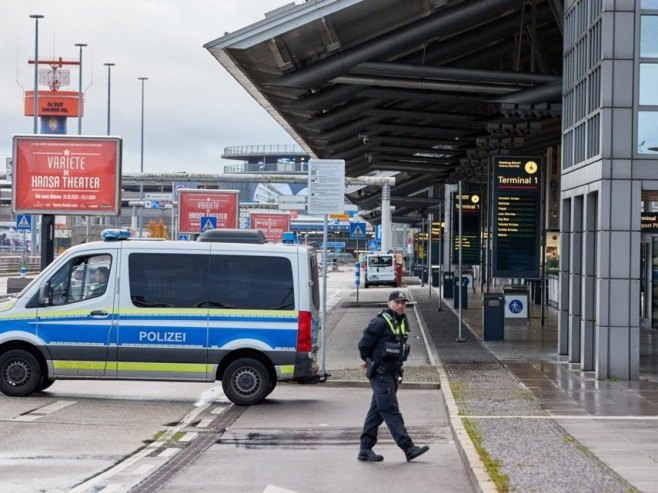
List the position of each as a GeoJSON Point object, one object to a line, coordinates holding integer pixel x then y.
{"type": "Point", "coordinates": [403, 386]}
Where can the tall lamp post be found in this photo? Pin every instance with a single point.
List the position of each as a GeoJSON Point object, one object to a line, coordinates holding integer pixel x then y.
{"type": "Point", "coordinates": [141, 161]}
{"type": "Point", "coordinates": [36, 18]}
{"type": "Point", "coordinates": [109, 81]}
{"type": "Point", "coordinates": [80, 45]}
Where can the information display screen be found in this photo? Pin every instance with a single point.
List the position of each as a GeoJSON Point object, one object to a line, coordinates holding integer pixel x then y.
{"type": "Point", "coordinates": [516, 218]}
{"type": "Point", "coordinates": [470, 238]}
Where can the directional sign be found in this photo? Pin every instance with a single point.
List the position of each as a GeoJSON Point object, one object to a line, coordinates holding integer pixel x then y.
{"type": "Point", "coordinates": [23, 222]}
{"type": "Point", "coordinates": [208, 223]}
{"type": "Point", "coordinates": [358, 231]}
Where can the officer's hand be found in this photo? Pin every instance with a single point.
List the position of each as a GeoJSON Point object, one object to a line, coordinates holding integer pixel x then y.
{"type": "Point", "coordinates": [364, 365]}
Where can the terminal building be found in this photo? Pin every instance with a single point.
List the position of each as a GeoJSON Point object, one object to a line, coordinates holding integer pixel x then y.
{"type": "Point", "coordinates": [449, 93]}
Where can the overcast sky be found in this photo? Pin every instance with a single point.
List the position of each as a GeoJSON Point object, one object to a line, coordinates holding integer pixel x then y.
{"type": "Point", "coordinates": [193, 107]}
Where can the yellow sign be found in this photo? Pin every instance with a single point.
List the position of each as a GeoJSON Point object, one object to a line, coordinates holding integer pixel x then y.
{"type": "Point", "coordinates": [342, 217]}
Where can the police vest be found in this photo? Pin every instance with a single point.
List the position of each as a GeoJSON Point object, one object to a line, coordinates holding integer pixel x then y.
{"type": "Point", "coordinates": [396, 328]}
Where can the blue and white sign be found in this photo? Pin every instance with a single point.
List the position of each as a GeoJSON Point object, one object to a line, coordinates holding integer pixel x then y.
{"type": "Point", "coordinates": [207, 223]}
{"type": "Point", "coordinates": [378, 232]}
{"type": "Point", "coordinates": [358, 231]}
{"type": "Point", "coordinates": [182, 237]}
{"type": "Point", "coordinates": [23, 222]}
{"type": "Point", "coordinates": [516, 305]}
{"type": "Point", "coordinates": [373, 246]}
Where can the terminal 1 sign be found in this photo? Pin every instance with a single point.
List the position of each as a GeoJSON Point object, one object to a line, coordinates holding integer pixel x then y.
{"type": "Point", "coordinates": [516, 224]}
{"type": "Point", "coordinates": [58, 174]}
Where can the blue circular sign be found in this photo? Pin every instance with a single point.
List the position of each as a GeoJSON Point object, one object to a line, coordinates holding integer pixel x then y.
{"type": "Point", "coordinates": [516, 306]}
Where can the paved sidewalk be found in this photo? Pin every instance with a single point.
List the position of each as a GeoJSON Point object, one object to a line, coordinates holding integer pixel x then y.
{"type": "Point", "coordinates": [549, 425]}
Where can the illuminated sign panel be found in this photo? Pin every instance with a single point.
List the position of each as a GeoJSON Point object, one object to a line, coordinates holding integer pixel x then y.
{"type": "Point", "coordinates": [54, 103]}
{"type": "Point", "coordinates": [516, 206]}
{"type": "Point", "coordinates": [195, 204]}
{"type": "Point", "coordinates": [470, 238]}
{"type": "Point", "coordinates": [66, 175]}
{"type": "Point", "coordinates": [273, 225]}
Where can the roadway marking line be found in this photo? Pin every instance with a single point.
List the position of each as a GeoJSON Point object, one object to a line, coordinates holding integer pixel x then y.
{"type": "Point", "coordinates": [568, 416]}
{"type": "Point", "coordinates": [111, 488]}
{"type": "Point", "coordinates": [27, 417]}
{"type": "Point", "coordinates": [218, 410]}
{"type": "Point", "coordinates": [205, 422]}
{"type": "Point", "coordinates": [44, 411]}
{"type": "Point", "coordinates": [143, 470]}
{"type": "Point", "coordinates": [168, 452]}
{"type": "Point", "coordinates": [188, 437]}
{"type": "Point", "coordinates": [149, 449]}
{"type": "Point", "coordinates": [275, 489]}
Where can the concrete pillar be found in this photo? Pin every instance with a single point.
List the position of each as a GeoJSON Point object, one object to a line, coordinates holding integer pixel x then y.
{"type": "Point", "coordinates": [386, 218]}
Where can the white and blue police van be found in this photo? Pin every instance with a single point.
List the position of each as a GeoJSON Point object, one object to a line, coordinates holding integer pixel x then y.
{"type": "Point", "coordinates": [245, 314]}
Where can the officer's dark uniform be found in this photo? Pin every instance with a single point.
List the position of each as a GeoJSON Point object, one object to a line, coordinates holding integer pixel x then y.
{"type": "Point", "coordinates": [384, 346]}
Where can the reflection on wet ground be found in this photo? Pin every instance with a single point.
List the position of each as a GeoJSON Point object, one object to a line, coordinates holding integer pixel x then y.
{"type": "Point", "coordinates": [562, 387]}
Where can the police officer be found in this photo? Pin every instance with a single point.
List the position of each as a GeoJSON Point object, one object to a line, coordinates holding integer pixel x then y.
{"type": "Point", "coordinates": [384, 349]}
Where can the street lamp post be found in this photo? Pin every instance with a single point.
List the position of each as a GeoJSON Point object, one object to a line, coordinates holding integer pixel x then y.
{"type": "Point", "coordinates": [141, 161]}
{"type": "Point", "coordinates": [109, 80]}
{"type": "Point", "coordinates": [36, 18]}
{"type": "Point", "coordinates": [80, 45]}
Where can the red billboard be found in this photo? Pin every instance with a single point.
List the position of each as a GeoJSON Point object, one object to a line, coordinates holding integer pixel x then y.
{"type": "Point", "coordinates": [272, 224]}
{"type": "Point", "coordinates": [66, 175]}
{"type": "Point", "coordinates": [196, 204]}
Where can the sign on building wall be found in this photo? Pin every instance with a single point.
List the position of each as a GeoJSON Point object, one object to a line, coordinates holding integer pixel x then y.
{"type": "Point", "coordinates": [195, 204]}
{"type": "Point", "coordinates": [516, 217]}
{"type": "Point", "coordinates": [66, 175]}
{"type": "Point", "coordinates": [272, 224]}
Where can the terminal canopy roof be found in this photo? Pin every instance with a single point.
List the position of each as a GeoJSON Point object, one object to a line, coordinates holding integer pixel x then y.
{"type": "Point", "coordinates": [427, 89]}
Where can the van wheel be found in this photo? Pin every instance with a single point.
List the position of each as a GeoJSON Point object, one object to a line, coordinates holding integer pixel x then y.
{"type": "Point", "coordinates": [246, 381]}
{"type": "Point", "coordinates": [20, 373]}
{"type": "Point", "coordinates": [46, 382]}
{"type": "Point", "coordinates": [272, 386]}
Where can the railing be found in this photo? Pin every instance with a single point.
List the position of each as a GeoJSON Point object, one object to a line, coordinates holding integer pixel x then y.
{"type": "Point", "coordinates": [263, 149]}
{"type": "Point", "coordinates": [11, 264]}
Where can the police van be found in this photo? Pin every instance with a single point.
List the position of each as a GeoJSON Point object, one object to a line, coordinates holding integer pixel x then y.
{"type": "Point", "coordinates": [245, 314]}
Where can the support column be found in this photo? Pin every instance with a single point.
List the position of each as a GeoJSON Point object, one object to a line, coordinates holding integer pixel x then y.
{"type": "Point", "coordinates": [386, 218]}
{"type": "Point", "coordinates": [589, 297]}
{"type": "Point", "coordinates": [575, 278]}
{"type": "Point", "coordinates": [565, 267]}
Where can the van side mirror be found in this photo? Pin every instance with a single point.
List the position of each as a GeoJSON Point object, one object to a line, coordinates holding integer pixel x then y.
{"type": "Point", "coordinates": [44, 294]}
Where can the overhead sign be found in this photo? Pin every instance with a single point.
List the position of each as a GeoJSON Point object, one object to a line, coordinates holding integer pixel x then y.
{"type": "Point", "coordinates": [195, 204]}
{"type": "Point", "coordinates": [273, 225]}
{"type": "Point", "coordinates": [54, 103]}
{"type": "Point", "coordinates": [358, 231]}
{"type": "Point", "coordinates": [470, 238]}
{"type": "Point", "coordinates": [516, 205]}
{"type": "Point", "coordinates": [326, 186]}
{"type": "Point", "coordinates": [23, 222]}
{"type": "Point", "coordinates": [59, 174]}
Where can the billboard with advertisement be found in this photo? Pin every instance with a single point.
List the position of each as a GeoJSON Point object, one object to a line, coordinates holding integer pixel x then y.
{"type": "Point", "coordinates": [272, 224]}
{"type": "Point", "coordinates": [195, 204]}
{"type": "Point", "coordinates": [58, 174]}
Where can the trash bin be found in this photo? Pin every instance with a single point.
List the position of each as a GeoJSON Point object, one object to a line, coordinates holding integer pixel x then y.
{"type": "Point", "coordinates": [493, 316]}
{"type": "Point", "coordinates": [398, 274]}
{"type": "Point", "coordinates": [461, 293]}
{"type": "Point", "coordinates": [448, 287]}
{"type": "Point", "coordinates": [436, 272]}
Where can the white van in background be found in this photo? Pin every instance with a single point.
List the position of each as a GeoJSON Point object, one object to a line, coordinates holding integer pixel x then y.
{"type": "Point", "coordinates": [380, 269]}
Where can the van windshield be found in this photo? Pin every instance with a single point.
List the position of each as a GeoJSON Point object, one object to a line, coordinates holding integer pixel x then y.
{"type": "Point", "coordinates": [380, 261]}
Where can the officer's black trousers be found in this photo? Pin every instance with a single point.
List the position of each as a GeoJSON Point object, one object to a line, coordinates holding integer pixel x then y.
{"type": "Point", "coordinates": [384, 408]}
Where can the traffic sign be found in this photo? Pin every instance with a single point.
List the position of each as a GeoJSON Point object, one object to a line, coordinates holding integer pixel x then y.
{"type": "Point", "coordinates": [207, 223]}
{"type": "Point", "coordinates": [183, 237]}
{"type": "Point", "coordinates": [23, 222]}
{"type": "Point", "coordinates": [373, 245]}
{"type": "Point", "coordinates": [358, 231]}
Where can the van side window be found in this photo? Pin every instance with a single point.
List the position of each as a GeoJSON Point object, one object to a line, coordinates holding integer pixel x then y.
{"type": "Point", "coordinates": [167, 280]}
{"type": "Point", "coordinates": [251, 283]}
{"type": "Point", "coordinates": [80, 279]}
{"type": "Point", "coordinates": [380, 261]}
